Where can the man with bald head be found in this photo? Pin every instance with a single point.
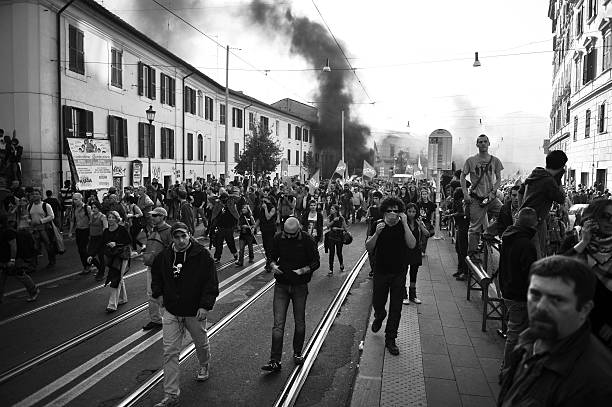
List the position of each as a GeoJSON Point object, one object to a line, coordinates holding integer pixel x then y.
{"type": "Point", "coordinates": [294, 257]}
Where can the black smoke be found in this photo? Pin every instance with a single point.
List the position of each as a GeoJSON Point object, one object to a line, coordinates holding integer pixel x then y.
{"type": "Point", "coordinates": [313, 42]}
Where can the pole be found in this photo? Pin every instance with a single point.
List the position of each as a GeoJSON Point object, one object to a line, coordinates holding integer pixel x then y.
{"type": "Point", "coordinates": [226, 105]}
{"type": "Point", "coordinates": [149, 155]}
{"type": "Point", "coordinates": [437, 235]}
{"type": "Point", "coordinates": [301, 156]}
{"type": "Point", "coordinates": [343, 136]}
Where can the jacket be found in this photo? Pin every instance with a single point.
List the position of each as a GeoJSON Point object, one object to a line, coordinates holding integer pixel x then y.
{"type": "Point", "coordinates": [294, 253]}
{"type": "Point", "coordinates": [576, 372]}
{"type": "Point", "coordinates": [318, 224]}
{"type": "Point", "coordinates": [517, 254]}
{"type": "Point", "coordinates": [197, 287]}
{"type": "Point", "coordinates": [541, 189]}
{"type": "Point", "coordinates": [503, 220]}
{"type": "Point", "coordinates": [231, 206]}
{"type": "Point", "coordinates": [159, 239]}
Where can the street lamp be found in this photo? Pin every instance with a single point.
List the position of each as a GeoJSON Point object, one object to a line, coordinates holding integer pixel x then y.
{"type": "Point", "coordinates": [476, 63]}
{"type": "Point", "coordinates": [150, 117]}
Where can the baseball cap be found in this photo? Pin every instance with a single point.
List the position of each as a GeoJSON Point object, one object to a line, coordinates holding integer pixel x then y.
{"type": "Point", "coordinates": [159, 211]}
{"type": "Point", "coordinates": [179, 227]}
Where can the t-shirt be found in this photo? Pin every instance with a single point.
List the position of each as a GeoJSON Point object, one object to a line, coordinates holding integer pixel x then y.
{"type": "Point", "coordinates": [425, 210]}
{"type": "Point", "coordinates": [264, 223]}
{"type": "Point", "coordinates": [391, 250]}
{"type": "Point", "coordinates": [312, 224]}
{"type": "Point", "coordinates": [475, 166]}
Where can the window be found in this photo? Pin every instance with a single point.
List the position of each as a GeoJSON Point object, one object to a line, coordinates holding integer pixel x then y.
{"type": "Point", "coordinates": [116, 68]}
{"type": "Point", "coordinates": [146, 140]}
{"type": "Point", "coordinates": [167, 143]}
{"type": "Point", "coordinates": [200, 148]}
{"type": "Point", "coordinates": [589, 65]}
{"type": "Point", "coordinates": [200, 103]}
{"type": "Point", "coordinates": [190, 100]}
{"type": "Point", "coordinates": [117, 134]}
{"type": "Point", "coordinates": [304, 159]}
{"type": "Point", "coordinates": [190, 146]}
{"type": "Point", "coordinates": [277, 128]}
{"type": "Point", "coordinates": [77, 122]}
{"type": "Point", "coordinates": [288, 156]}
{"type": "Point", "coordinates": [221, 113]}
{"type": "Point", "coordinates": [298, 133]}
{"type": "Point", "coordinates": [587, 124]}
{"type": "Point", "coordinates": [236, 117]}
{"type": "Point", "coordinates": [580, 21]}
{"type": "Point", "coordinates": [76, 52]}
{"type": "Point", "coordinates": [575, 128]}
{"type": "Point", "coordinates": [288, 130]}
{"type": "Point", "coordinates": [592, 12]}
{"type": "Point", "coordinates": [167, 93]}
{"type": "Point", "coordinates": [305, 135]}
{"type": "Point", "coordinates": [209, 108]}
{"type": "Point", "coordinates": [297, 157]}
{"type": "Point", "coordinates": [251, 121]}
{"type": "Point", "coordinates": [236, 152]}
{"type": "Point", "coordinates": [222, 151]}
{"type": "Point", "coordinates": [578, 64]}
{"type": "Point", "coordinates": [264, 124]}
{"type": "Point", "coordinates": [607, 51]}
{"type": "Point", "coordinates": [601, 119]}
{"type": "Point", "coordinates": [146, 81]}
{"type": "Point", "coordinates": [567, 112]}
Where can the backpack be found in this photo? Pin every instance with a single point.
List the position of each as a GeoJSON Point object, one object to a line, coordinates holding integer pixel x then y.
{"type": "Point", "coordinates": [153, 248]}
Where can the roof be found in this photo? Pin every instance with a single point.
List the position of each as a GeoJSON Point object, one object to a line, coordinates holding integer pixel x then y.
{"type": "Point", "coordinates": [98, 8]}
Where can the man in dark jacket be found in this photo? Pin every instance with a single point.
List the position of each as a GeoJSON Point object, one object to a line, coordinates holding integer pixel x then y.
{"type": "Point", "coordinates": [294, 258]}
{"type": "Point", "coordinates": [540, 190]}
{"type": "Point", "coordinates": [517, 254]}
{"type": "Point", "coordinates": [224, 219]}
{"type": "Point", "coordinates": [558, 361]}
{"type": "Point", "coordinates": [185, 283]}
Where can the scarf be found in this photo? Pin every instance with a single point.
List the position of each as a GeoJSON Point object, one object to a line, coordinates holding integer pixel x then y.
{"type": "Point", "coordinates": [599, 258]}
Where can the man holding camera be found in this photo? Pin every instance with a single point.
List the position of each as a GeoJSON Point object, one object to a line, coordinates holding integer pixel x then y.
{"type": "Point", "coordinates": [540, 190]}
{"type": "Point", "coordinates": [481, 199]}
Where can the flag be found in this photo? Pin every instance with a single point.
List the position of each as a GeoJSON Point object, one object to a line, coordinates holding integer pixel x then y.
{"type": "Point", "coordinates": [314, 180]}
{"type": "Point", "coordinates": [368, 170]}
{"type": "Point", "coordinates": [340, 168]}
{"type": "Point", "coordinates": [419, 164]}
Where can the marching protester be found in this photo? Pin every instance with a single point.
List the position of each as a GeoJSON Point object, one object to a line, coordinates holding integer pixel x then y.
{"type": "Point", "coordinates": [335, 237]}
{"type": "Point", "coordinates": [373, 215]}
{"type": "Point", "coordinates": [246, 238]}
{"type": "Point", "coordinates": [427, 213]}
{"type": "Point", "coordinates": [185, 284]}
{"type": "Point", "coordinates": [414, 256]}
{"type": "Point", "coordinates": [95, 248]}
{"type": "Point", "coordinates": [41, 217]}
{"type": "Point", "coordinates": [558, 361]}
{"type": "Point", "coordinates": [224, 218]}
{"type": "Point", "coordinates": [294, 258]}
{"type": "Point", "coordinates": [481, 199]}
{"type": "Point", "coordinates": [186, 211]}
{"type": "Point", "coordinates": [159, 239]}
{"type": "Point", "coordinates": [462, 222]}
{"type": "Point", "coordinates": [540, 190]}
{"type": "Point", "coordinates": [266, 222]}
{"type": "Point", "coordinates": [79, 225]}
{"type": "Point", "coordinates": [312, 221]}
{"type": "Point", "coordinates": [390, 244]}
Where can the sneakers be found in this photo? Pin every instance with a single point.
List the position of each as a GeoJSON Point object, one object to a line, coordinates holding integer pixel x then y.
{"type": "Point", "coordinates": [110, 310]}
{"type": "Point", "coordinates": [152, 325]}
{"type": "Point", "coordinates": [376, 325]}
{"type": "Point", "coordinates": [238, 264]}
{"type": "Point", "coordinates": [458, 273]}
{"type": "Point", "coordinates": [168, 401]}
{"type": "Point", "coordinates": [272, 366]}
{"type": "Point", "coordinates": [34, 296]}
{"type": "Point", "coordinates": [392, 347]}
{"type": "Point", "coordinates": [412, 295]}
{"type": "Point", "coordinates": [341, 267]}
{"type": "Point", "coordinates": [236, 256]}
{"type": "Point", "coordinates": [203, 374]}
{"type": "Point", "coordinates": [330, 272]}
{"type": "Point", "coordinates": [298, 359]}
{"type": "Point", "coordinates": [217, 261]}
{"type": "Point", "coordinates": [406, 301]}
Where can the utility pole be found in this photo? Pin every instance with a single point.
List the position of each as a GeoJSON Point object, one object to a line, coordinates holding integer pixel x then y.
{"type": "Point", "coordinates": [226, 106]}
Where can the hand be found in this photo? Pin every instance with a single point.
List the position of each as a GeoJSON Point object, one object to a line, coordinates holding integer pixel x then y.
{"type": "Point", "coordinates": [380, 227]}
{"type": "Point", "coordinates": [403, 217]}
{"type": "Point", "coordinates": [587, 230]}
{"type": "Point", "coordinates": [299, 271]}
{"type": "Point", "coordinates": [275, 269]}
{"type": "Point", "coordinates": [111, 244]}
{"type": "Point", "coordinates": [69, 235]}
{"type": "Point", "coordinates": [160, 301]}
{"type": "Point", "coordinates": [202, 314]}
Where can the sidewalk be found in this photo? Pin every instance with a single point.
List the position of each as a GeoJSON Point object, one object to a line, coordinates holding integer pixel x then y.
{"type": "Point", "coordinates": [445, 359]}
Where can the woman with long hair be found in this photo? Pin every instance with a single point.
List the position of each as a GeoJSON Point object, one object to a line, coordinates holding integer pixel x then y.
{"type": "Point", "coordinates": [312, 221]}
{"type": "Point", "coordinates": [427, 209]}
{"type": "Point", "coordinates": [414, 256]}
{"type": "Point", "coordinates": [413, 193]}
{"type": "Point", "coordinates": [116, 240]}
{"type": "Point", "coordinates": [134, 220]}
{"type": "Point", "coordinates": [337, 226]}
{"type": "Point", "coordinates": [592, 243]}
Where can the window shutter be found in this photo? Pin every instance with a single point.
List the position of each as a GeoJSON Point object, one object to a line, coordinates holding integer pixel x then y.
{"type": "Point", "coordinates": [212, 110]}
{"type": "Point", "coordinates": [152, 83]}
{"type": "Point", "coordinates": [162, 90]}
{"type": "Point", "coordinates": [172, 92]}
{"type": "Point", "coordinates": [141, 140]}
{"type": "Point", "coordinates": [594, 64]}
{"type": "Point", "coordinates": [585, 68]}
{"type": "Point", "coordinates": [233, 117]}
{"type": "Point", "coordinates": [192, 100]}
{"type": "Point", "coordinates": [111, 137]}
{"type": "Point", "coordinates": [171, 143]}
{"type": "Point", "coordinates": [124, 136]}
{"type": "Point", "coordinates": [89, 123]}
{"type": "Point", "coordinates": [164, 145]}
{"type": "Point", "coordinates": [140, 79]}
{"type": "Point", "coordinates": [152, 141]}
{"type": "Point", "coordinates": [67, 113]}
{"type": "Point", "coordinates": [186, 99]}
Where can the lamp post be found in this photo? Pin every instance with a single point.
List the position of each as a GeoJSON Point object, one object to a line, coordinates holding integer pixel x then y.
{"type": "Point", "coordinates": [150, 117]}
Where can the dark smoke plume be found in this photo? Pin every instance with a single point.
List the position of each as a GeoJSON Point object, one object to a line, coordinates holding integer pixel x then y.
{"type": "Point", "coordinates": [313, 42]}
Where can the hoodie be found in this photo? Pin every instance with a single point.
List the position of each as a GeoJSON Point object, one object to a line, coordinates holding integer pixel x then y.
{"type": "Point", "coordinates": [516, 256]}
{"type": "Point", "coordinates": [541, 189]}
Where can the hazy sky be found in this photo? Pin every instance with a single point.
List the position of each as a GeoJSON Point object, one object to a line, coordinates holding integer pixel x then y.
{"type": "Point", "coordinates": [414, 59]}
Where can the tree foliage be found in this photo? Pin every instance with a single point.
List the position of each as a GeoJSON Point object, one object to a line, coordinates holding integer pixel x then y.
{"type": "Point", "coordinates": [310, 164]}
{"type": "Point", "coordinates": [261, 153]}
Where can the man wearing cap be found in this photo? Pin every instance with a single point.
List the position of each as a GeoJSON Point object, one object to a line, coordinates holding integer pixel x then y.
{"type": "Point", "coordinates": [294, 258]}
{"type": "Point", "coordinates": [159, 239]}
{"type": "Point", "coordinates": [184, 281]}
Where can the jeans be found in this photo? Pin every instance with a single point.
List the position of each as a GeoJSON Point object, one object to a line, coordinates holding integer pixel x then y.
{"type": "Point", "coordinates": [22, 266]}
{"type": "Point", "coordinates": [173, 334]}
{"type": "Point", "coordinates": [242, 243]}
{"type": "Point", "coordinates": [154, 311]}
{"type": "Point", "coordinates": [394, 287]}
{"type": "Point", "coordinates": [517, 323]}
{"type": "Point", "coordinates": [283, 293]}
{"type": "Point", "coordinates": [414, 269]}
{"type": "Point", "coordinates": [82, 240]}
{"type": "Point", "coordinates": [267, 239]}
{"type": "Point", "coordinates": [335, 247]}
{"type": "Point", "coordinates": [41, 235]}
{"type": "Point", "coordinates": [226, 234]}
{"type": "Point", "coordinates": [479, 221]}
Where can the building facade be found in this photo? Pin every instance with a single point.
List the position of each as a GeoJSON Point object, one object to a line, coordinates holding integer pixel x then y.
{"type": "Point", "coordinates": [106, 77]}
{"type": "Point", "coordinates": [582, 88]}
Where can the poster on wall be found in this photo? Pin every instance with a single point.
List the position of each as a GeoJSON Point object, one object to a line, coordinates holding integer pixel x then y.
{"type": "Point", "coordinates": [91, 163]}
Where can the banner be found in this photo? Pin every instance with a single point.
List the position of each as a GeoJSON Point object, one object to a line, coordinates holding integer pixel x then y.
{"type": "Point", "coordinates": [368, 170]}
{"type": "Point", "coordinates": [340, 168]}
{"type": "Point", "coordinates": [284, 170]}
{"type": "Point", "coordinates": [91, 162]}
{"type": "Point", "coordinates": [314, 180]}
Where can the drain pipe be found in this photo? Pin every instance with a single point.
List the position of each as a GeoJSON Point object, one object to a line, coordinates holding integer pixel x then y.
{"type": "Point", "coordinates": [60, 125]}
{"type": "Point", "coordinates": [183, 91]}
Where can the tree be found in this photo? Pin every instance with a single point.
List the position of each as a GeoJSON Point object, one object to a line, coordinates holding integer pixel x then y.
{"type": "Point", "coordinates": [310, 164]}
{"type": "Point", "coordinates": [261, 153]}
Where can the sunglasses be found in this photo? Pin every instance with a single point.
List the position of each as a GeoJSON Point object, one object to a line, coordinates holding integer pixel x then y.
{"type": "Point", "coordinates": [155, 215]}
{"type": "Point", "coordinates": [392, 211]}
